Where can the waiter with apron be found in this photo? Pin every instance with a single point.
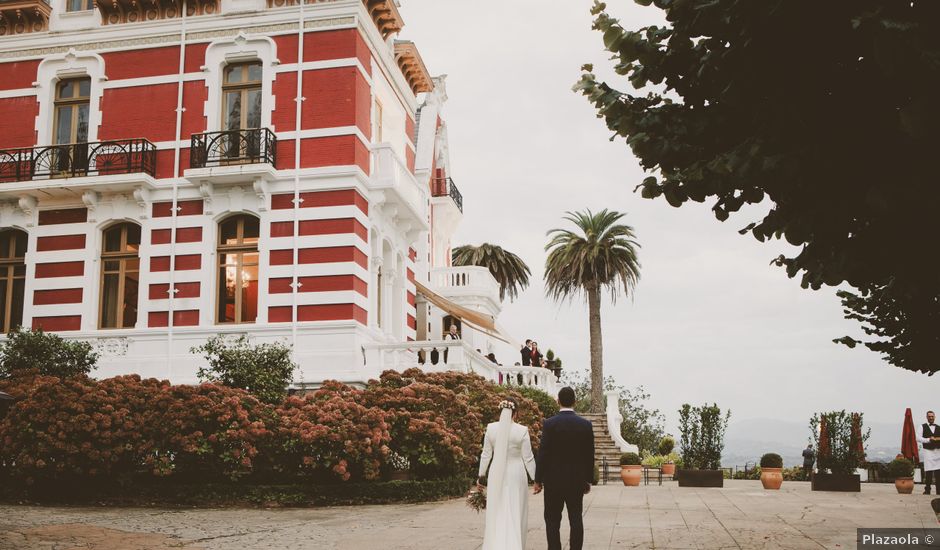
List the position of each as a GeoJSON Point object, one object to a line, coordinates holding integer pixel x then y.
{"type": "Point", "coordinates": [930, 440]}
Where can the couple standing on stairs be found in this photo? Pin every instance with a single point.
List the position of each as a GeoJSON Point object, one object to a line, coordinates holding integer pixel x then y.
{"type": "Point", "coordinates": [564, 469]}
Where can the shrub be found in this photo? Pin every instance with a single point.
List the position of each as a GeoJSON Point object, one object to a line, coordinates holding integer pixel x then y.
{"type": "Point", "coordinates": [666, 445]}
{"type": "Point", "coordinates": [629, 459]}
{"type": "Point", "coordinates": [842, 449]}
{"type": "Point", "coordinates": [749, 474]}
{"type": "Point", "coordinates": [548, 405]}
{"type": "Point", "coordinates": [125, 426]}
{"type": "Point", "coordinates": [332, 437]}
{"type": "Point", "coordinates": [227, 493]}
{"type": "Point", "coordinates": [482, 396]}
{"type": "Point", "coordinates": [72, 428]}
{"type": "Point", "coordinates": [703, 432]}
{"type": "Point", "coordinates": [795, 473]}
{"type": "Point", "coordinates": [900, 467]}
{"type": "Point", "coordinates": [453, 392]}
{"type": "Point", "coordinates": [657, 461]}
{"type": "Point", "coordinates": [45, 354]}
{"type": "Point", "coordinates": [211, 431]}
{"type": "Point", "coordinates": [771, 460]}
{"type": "Point", "coordinates": [430, 425]}
{"type": "Point", "coordinates": [265, 370]}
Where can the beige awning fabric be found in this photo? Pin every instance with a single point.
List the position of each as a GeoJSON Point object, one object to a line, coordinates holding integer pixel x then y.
{"type": "Point", "coordinates": [480, 321]}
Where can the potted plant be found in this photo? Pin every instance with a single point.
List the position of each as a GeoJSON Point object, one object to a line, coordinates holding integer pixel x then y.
{"type": "Point", "coordinates": [840, 443]}
{"type": "Point", "coordinates": [771, 471]}
{"type": "Point", "coordinates": [702, 431]}
{"type": "Point", "coordinates": [902, 470]}
{"type": "Point", "coordinates": [666, 445]}
{"type": "Point", "coordinates": [630, 469]}
{"type": "Point", "coordinates": [554, 363]}
{"type": "Point", "coordinates": [400, 466]}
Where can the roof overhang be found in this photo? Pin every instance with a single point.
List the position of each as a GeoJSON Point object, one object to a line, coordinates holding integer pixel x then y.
{"type": "Point", "coordinates": [412, 66]}
{"type": "Point", "coordinates": [385, 15]}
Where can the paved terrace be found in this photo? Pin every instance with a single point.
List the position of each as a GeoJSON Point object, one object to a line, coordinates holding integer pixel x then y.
{"type": "Point", "coordinates": [741, 515]}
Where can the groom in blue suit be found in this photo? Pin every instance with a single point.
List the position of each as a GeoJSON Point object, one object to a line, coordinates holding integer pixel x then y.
{"type": "Point", "coordinates": [565, 468]}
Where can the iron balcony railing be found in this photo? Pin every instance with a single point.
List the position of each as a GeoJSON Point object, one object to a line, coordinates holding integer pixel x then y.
{"type": "Point", "coordinates": [443, 187]}
{"type": "Point", "coordinates": [249, 146]}
{"type": "Point", "coordinates": [126, 156]}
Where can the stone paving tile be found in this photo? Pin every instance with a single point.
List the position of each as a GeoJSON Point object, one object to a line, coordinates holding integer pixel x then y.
{"type": "Point", "coordinates": [739, 516]}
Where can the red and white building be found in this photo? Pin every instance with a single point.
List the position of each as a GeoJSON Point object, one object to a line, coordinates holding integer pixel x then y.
{"type": "Point", "coordinates": [175, 169]}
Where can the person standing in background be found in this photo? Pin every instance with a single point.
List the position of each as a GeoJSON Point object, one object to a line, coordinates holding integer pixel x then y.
{"type": "Point", "coordinates": [809, 458]}
{"type": "Point", "coordinates": [536, 360]}
{"type": "Point", "coordinates": [526, 353]}
{"type": "Point", "coordinates": [930, 440]}
{"type": "Point", "coordinates": [451, 334]}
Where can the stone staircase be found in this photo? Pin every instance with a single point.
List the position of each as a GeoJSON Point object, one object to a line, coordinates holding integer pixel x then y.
{"type": "Point", "coordinates": [604, 446]}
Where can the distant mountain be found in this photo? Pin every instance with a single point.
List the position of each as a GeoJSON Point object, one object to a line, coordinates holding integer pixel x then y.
{"type": "Point", "coordinates": [746, 440]}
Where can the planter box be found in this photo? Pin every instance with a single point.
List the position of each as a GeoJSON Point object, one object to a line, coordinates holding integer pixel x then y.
{"type": "Point", "coordinates": [700, 478]}
{"type": "Point", "coordinates": [848, 483]}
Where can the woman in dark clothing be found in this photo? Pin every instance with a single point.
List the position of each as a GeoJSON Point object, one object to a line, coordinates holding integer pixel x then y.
{"type": "Point", "coordinates": [536, 355]}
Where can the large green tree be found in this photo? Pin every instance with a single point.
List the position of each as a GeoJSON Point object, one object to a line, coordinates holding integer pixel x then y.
{"type": "Point", "coordinates": [509, 270]}
{"type": "Point", "coordinates": [826, 110]}
{"type": "Point", "coordinates": [601, 254]}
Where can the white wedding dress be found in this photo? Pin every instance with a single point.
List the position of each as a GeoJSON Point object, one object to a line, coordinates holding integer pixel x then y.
{"type": "Point", "coordinates": [507, 452]}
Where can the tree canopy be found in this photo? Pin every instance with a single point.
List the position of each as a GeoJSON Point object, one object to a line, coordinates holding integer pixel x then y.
{"type": "Point", "coordinates": [826, 110]}
{"type": "Point", "coordinates": [601, 253]}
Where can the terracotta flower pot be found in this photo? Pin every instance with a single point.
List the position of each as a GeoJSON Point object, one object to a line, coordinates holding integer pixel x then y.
{"type": "Point", "coordinates": [771, 478]}
{"type": "Point", "coordinates": [904, 485]}
{"type": "Point", "coordinates": [669, 469]}
{"type": "Point", "coordinates": [631, 475]}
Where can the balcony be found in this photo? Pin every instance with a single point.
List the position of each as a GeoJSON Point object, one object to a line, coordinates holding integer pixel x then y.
{"type": "Point", "coordinates": [116, 12]}
{"type": "Point", "coordinates": [444, 187]}
{"type": "Point", "coordinates": [233, 147]}
{"type": "Point", "coordinates": [404, 199]}
{"type": "Point", "coordinates": [468, 285]}
{"type": "Point", "coordinates": [72, 160]}
{"type": "Point", "coordinates": [454, 356]}
{"type": "Point", "coordinates": [23, 16]}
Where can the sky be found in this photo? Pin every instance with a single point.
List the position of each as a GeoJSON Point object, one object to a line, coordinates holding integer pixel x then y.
{"type": "Point", "coordinates": [710, 320]}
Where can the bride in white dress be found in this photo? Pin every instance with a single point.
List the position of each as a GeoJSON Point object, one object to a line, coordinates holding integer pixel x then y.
{"type": "Point", "coordinates": [507, 452]}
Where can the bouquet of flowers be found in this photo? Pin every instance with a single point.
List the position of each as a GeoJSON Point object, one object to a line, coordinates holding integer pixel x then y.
{"type": "Point", "coordinates": [476, 499]}
{"type": "Point", "coordinates": [398, 462]}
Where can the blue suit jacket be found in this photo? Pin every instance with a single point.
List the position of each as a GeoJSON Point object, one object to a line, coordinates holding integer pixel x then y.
{"type": "Point", "coordinates": [566, 452]}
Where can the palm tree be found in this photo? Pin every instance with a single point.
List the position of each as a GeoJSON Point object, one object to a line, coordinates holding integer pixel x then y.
{"type": "Point", "coordinates": [601, 255]}
{"type": "Point", "coordinates": [508, 269]}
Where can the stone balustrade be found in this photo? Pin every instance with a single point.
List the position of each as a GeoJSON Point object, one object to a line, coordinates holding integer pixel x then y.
{"type": "Point", "coordinates": [453, 355]}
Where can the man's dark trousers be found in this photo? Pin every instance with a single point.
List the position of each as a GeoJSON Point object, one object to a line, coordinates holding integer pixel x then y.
{"type": "Point", "coordinates": [556, 500]}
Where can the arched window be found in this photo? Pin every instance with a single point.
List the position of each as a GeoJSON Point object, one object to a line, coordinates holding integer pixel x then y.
{"type": "Point", "coordinates": [238, 269]}
{"type": "Point", "coordinates": [120, 276]}
{"type": "Point", "coordinates": [12, 277]}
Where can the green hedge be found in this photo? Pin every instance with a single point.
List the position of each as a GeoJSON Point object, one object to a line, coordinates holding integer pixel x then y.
{"type": "Point", "coordinates": [168, 493]}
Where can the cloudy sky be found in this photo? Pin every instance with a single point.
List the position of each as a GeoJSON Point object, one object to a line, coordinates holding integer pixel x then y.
{"type": "Point", "coordinates": [710, 319]}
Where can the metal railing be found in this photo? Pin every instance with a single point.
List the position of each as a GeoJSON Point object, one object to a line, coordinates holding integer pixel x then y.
{"type": "Point", "coordinates": [444, 187]}
{"type": "Point", "coordinates": [249, 146]}
{"type": "Point", "coordinates": [70, 160]}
